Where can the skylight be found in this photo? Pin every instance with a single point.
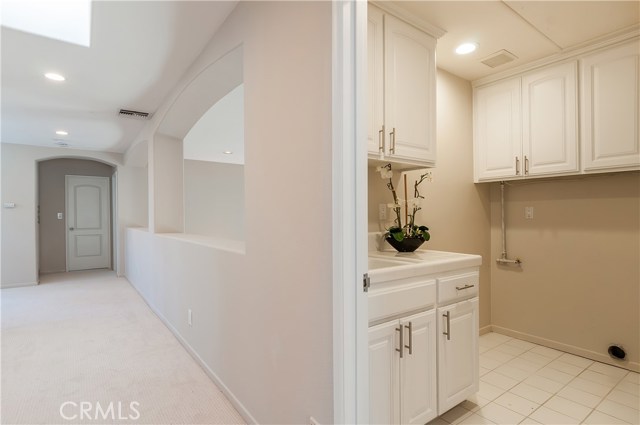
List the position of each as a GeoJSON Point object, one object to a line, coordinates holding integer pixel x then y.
{"type": "Point", "coordinates": [66, 20]}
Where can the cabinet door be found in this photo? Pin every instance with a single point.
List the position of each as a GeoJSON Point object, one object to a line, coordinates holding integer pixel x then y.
{"type": "Point", "coordinates": [550, 120]}
{"type": "Point", "coordinates": [458, 356]}
{"type": "Point", "coordinates": [409, 91]}
{"type": "Point", "coordinates": [497, 131]}
{"type": "Point", "coordinates": [384, 390]}
{"type": "Point", "coordinates": [611, 108]}
{"type": "Point", "coordinates": [375, 82]}
{"type": "Point", "coordinates": [418, 373]}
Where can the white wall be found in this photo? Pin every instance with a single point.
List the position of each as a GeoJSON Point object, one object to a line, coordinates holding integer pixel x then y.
{"type": "Point", "coordinates": [19, 225]}
{"type": "Point", "coordinates": [265, 327]}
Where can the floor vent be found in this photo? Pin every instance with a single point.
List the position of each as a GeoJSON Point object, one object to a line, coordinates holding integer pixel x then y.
{"type": "Point", "coordinates": [136, 115]}
{"type": "Point", "coordinates": [499, 58]}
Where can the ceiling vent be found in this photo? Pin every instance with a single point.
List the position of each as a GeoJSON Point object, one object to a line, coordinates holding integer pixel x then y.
{"type": "Point", "coordinates": [499, 58]}
{"type": "Point", "coordinates": [60, 143]}
{"type": "Point", "coordinates": [136, 115]}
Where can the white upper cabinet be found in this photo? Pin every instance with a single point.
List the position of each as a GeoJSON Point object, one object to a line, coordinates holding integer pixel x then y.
{"type": "Point", "coordinates": [550, 121]}
{"type": "Point", "coordinates": [401, 89]}
{"type": "Point", "coordinates": [611, 109]}
{"type": "Point", "coordinates": [527, 126]}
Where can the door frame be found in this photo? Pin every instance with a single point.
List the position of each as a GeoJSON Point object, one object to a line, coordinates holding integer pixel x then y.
{"type": "Point", "coordinates": [110, 229]}
{"type": "Point", "coordinates": [349, 188]}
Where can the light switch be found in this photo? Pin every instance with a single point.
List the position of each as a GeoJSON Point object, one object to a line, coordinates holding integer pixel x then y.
{"type": "Point", "coordinates": [59, 216]}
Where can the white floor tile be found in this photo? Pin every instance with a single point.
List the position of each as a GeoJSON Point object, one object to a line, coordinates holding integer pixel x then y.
{"type": "Point", "coordinates": [575, 360]}
{"type": "Point", "coordinates": [632, 377]}
{"type": "Point", "coordinates": [545, 415]}
{"type": "Point", "coordinates": [525, 365]}
{"type": "Point", "coordinates": [499, 414]}
{"type": "Point", "coordinates": [568, 368]}
{"type": "Point", "coordinates": [535, 358]}
{"type": "Point", "coordinates": [438, 421]}
{"type": "Point", "coordinates": [489, 363]}
{"type": "Point", "coordinates": [511, 349]}
{"type": "Point", "coordinates": [543, 383]}
{"type": "Point", "coordinates": [600, 378]}
{"type": "Point", "coordinates": [499, 380]}
{"type": "Point", "coordinates": [489, 392]}
{"type": "Point", "coordinates": [531, 393]}
{"type": "Point", "coordinates": [498, 355]}
{"type": "Point", "coordinates": [474, 419]}
{"type": "Point", "coordinates": [547, 352]}
{"type": "Point", "coordinates": [579, 396]}
{"type": "Point", "coordinates": [474, 402]}
{"type": "Point", "coordinates": [492, 339]}
{"type": "Point", "coordinates": [608, 370]}
{"type": "Point", "coordinates": [626, 399]}
{"type": "Point", "coordinates": [599, 418]}
{"type": "Point", "coordinates": [619, 411]}
{"type": "Point", "coordinates": [484, 370]}
{"type": "Point", "coordinates": [628, 387]}
{"type": "Point", "coordinates": [482, 349]}
{"type": "Point", "coordinates": [456, 414]}
{"type": "Point", "coordinates": [512, 372]}
{"type": "Point", "coordinates": [529, 421]}
{"type": "Point", "coordinates": [517, 404]}
{"type": "Point", "coordinates": [590, 386]}
{"type": "Point", "coordinates": [568, 407]}
{"type": "Point", "coordinates": [555, 375]}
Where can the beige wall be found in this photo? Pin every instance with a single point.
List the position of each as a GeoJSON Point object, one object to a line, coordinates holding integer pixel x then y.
{"type": "Point", "coordinates": [51, 198]}
{"type": "Point", "coordinates": [214, 199]}
{"type": "Point", "coordinates": [579, 285]}
{"type": "Point", "coordinates": [455, 209]}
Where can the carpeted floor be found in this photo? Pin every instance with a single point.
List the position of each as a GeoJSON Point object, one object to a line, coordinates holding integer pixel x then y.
{"type": "Point", "coordinates": [83, 347]}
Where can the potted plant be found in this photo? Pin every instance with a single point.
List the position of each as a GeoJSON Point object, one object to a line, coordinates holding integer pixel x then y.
{"type": "Point", "coordinates": [409, 236]}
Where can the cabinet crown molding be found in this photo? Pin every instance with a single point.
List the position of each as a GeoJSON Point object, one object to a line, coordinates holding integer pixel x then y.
{"type": "Point", "coordinates": [400, 13]}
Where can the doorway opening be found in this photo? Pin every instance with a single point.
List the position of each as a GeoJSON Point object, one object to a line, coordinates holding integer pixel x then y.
{"type": "Point", "coordinates": [75, 215]}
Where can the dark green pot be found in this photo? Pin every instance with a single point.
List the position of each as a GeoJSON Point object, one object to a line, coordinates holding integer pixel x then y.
{"type": "Point", "coordinates": [405, 245]}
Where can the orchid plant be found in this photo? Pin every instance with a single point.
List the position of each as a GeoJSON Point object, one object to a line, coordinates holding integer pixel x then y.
{"type": "Point", "coordinates": [409, 230]}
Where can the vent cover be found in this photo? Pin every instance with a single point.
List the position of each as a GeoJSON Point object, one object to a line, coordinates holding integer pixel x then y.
{"type": "Point", "coordinates": [136, 115]}
{"type": "Point", "coordinates": [499, 58]}
{"type": "Point", "coordinates": [60, 143]}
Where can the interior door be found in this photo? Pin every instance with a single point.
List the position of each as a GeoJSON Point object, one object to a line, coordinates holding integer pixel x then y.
{"type": "Point", "coordinates": [88, 223]}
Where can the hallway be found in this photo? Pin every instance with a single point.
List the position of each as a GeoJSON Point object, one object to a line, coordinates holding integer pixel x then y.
{"type": "Point", "coordinates": [84, 347]}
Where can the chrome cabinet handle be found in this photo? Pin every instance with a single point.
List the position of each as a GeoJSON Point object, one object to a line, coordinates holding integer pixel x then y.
{"type": "Point", "coordinates": [410, 346]}
{"type": "Point", "coordinates": [526, 165]}
{"type": "Point", "coordinates": [401, 349]}
{"type": "Point", "coordinates": [517, 166]}
{"type": "Point", "coordinates": [381, 140]}
{"type": "Point", "coordinates": [392, 137]}
{"type": "Point", "coordinates": [448, 332]}
{"type": "Point", "coordinates": [460, 288]}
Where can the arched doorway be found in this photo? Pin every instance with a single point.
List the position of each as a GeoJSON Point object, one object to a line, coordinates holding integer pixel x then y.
{"type": "Point", "coordinates": [75, 227]}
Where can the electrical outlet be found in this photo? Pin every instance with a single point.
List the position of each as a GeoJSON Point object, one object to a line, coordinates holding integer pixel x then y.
{"type": "Point", "coordinates": [382, 211]}
{"type": "Point", "coordinates": [189, 318]}
{"type": "Point", "coordinates": [59, 216]}
{"type": "Point", "coordinates": [528, 213]}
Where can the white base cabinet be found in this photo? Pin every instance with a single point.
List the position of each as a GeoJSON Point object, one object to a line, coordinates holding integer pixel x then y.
{"type": "Point", "coordinates": [402, 370]}
{"type": "Point", "coordinates": [458, 355]}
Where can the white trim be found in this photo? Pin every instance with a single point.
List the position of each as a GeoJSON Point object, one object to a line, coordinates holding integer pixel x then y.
{"type": "Point", "coordinates": [19, 285]}
{"type": "Point", "coordinates": [572, 349]}
{"type": "Point", "coordinates": [410, 18]}
{"type": "Point", "coordinates": [225, 390]}
{"type": "Point", "coordinates": [349, 188]}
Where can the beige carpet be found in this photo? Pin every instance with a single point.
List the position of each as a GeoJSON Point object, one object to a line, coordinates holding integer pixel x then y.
{"type": "Point", "coordinates": [87, 342]}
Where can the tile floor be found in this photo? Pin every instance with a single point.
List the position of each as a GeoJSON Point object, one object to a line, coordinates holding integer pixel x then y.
{"type": "Point", "coordinates": [525, 383]}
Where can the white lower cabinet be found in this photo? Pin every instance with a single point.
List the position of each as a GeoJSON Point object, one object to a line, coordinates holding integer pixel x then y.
{"type": "Point", "coordinates": [458, 355]}
{"type": "Point", "coordinates": [402, 370]}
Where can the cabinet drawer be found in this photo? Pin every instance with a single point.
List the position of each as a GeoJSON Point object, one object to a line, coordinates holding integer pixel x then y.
{"type": "Point", "coordinates": [401, 298]}
{"type": "Point", "coordinates": [456, 287]}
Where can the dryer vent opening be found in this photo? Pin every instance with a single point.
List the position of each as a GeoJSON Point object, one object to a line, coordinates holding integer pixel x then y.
{"type": "Point", "coordinates": [617, 352]}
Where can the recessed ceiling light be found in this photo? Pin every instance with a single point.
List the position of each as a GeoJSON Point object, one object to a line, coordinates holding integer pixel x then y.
{"type": "Point", "coordinates": [466, 48]}
{"type": "Point", "coordinates": [62, 133]}
{"type": "Point", "coordinates": [55, 77]}
{"type": "Point", "coordinates": [227, 152]}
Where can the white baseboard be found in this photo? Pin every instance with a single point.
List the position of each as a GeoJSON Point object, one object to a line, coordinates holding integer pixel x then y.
{"type": "Point", "coordinates": [592, 355]}
{"type": "Point", "coordinates": [210, 373]}
{"type": "Point", "coordinates": [485, 329]}
{"type": "Point", "coordinates": [18, 285]}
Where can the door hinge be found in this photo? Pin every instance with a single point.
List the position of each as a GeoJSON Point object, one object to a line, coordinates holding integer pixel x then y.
{"type": "Point", "coordinates": [366, 282]}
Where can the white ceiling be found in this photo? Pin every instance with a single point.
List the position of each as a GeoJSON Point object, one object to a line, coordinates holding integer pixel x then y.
{"type": "Point", "coordinates": [529, 29]}
{"type": "Point", "coordinates": [140, 49]}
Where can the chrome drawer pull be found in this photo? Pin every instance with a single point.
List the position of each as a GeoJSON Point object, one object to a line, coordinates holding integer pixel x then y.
{"type": "Point", "coordinates": [401, 349]}
{"type": "Point", "coordinates": [410, 346]}
{"type": "Point", "coordinates": [448, 332]}
{"type": "Point", "coordinates": [460, 288]}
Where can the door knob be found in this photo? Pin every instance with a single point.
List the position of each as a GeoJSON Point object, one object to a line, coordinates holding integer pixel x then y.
{"type": "Point", "coordinates": [71, 228]}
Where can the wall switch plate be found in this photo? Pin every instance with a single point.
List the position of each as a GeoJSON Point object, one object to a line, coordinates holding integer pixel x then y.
{"type": "Point", "coordinates": [189, 317]}
{"type": "Point", "coordinates": [59, 216]}
{"type": "Point", "coordinates": [382, 211]}
{"type": "Point", "coordinates": [528, 213]}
